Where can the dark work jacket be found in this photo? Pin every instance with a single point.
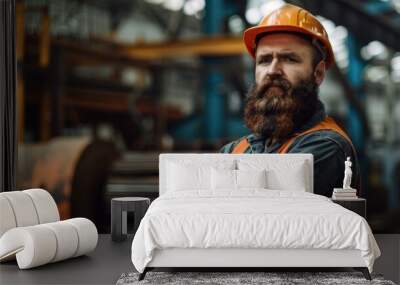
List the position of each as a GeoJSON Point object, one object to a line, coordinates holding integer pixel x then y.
{"type": "Point", "coordinates": [329, 149]}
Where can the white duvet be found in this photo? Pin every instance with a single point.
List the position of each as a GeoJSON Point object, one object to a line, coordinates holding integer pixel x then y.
{"type": "Point", "coordinates": [250, 219]}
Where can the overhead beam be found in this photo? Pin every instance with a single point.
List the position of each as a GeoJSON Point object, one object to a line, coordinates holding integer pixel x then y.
{"type": "Point", "coordinates": [145, 54]}
{"type": "Point", "coordinates": [212, 46]}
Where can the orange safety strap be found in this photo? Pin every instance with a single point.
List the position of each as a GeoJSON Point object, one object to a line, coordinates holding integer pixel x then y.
{"type": "Point", "coordinates": [327, 124]}
{"type": "Point", "coordinates": [241, 146]}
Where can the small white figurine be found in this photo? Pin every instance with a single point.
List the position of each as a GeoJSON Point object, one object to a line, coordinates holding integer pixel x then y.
{"type": "Point", "coordinates": [347, 174]}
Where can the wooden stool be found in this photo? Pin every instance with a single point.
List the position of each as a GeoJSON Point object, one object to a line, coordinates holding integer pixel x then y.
{"type": "Point", "coordinates": [119, 209]}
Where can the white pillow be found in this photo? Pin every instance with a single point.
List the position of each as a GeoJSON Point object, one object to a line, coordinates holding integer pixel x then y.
{"type": "Point", "coordinates": [296, 182]}
{"type": "Point", "coordinates": [186, 174]}
{"type": "Point", "coordinates": [188, 177]}
{"type": "Point", "coordinates": [223, 179]}
{"type": "Point", "coordinates": [251, 179]}
{"type": "Point", "coordinates": [237, 179]}
{"type": "Point", "coordinates": [281, 174]}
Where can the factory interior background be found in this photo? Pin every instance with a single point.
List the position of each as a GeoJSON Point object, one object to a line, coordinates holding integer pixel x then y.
{"type": "Point", "coordinates": [104, 87]}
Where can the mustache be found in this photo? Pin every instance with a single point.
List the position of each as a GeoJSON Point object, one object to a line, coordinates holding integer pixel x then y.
{"type": "Point", "coordinates": [272, 81]}
{"type": "Point", "coordinates": [267, 100]}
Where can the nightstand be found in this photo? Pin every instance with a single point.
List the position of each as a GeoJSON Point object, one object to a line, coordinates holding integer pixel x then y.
{"type": "Point", "coordinates": [119, 209]}
{"type": "Point", "coordinates": [357, 205]}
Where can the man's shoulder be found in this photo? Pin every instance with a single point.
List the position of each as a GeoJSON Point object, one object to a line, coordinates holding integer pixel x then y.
{"type": "Point", "coordinates": [323, 140]}
{"type": "Point", "coordinates": [228, 148]}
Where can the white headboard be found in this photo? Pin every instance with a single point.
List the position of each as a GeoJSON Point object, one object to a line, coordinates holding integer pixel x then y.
{"type": "Point", "coordinates": [269, 159]}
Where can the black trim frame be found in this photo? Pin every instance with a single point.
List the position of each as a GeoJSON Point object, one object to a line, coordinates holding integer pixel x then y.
{"type": "Point", "coordinates": [8, 138]}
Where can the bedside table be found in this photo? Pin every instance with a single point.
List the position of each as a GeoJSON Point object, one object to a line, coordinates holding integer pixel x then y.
{"type": "Point", "coordinates": [357, 205]}
{"type": "Point", "coordinates": [119, 209]}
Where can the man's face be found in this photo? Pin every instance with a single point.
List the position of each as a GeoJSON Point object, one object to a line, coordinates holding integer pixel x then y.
{"type": "Point", "coordinates": [284, 54]}
{"type": "Point", "coordinates": [286, 91]}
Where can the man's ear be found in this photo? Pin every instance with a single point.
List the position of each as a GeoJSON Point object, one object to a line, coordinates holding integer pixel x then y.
{"type": "Point", "coordinates": [319, 72]}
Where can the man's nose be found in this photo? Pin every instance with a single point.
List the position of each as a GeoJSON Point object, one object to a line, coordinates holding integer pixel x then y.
{"type": "Point", "coordinates": [275, 67]}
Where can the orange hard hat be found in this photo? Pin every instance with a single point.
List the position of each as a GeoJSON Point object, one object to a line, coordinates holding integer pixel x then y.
{"type": "Point", "coordinates": [291, 18]}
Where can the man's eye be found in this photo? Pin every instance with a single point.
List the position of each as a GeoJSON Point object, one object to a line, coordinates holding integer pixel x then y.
{"type": "Point", "coordinates": [264, 61]}
{"type": "Point", "coordinates": [291, 59]}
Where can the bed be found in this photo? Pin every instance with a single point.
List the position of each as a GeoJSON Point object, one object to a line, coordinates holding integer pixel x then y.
{"type": "Point", "coordinates": [247, 210]}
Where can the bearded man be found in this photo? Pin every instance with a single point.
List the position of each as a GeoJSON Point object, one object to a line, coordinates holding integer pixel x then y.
{"type": "Point", "coordinates": [292, 53]}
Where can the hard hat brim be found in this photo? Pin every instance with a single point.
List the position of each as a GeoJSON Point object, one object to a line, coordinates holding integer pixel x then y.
{"type": "Point", "coordinates": [249, 37]}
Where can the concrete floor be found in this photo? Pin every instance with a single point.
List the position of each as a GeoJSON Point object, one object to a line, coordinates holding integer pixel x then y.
{"type": "Point", "coordinates": [389, 262]}
{"type": "Point", "coordinates": [110, 260]}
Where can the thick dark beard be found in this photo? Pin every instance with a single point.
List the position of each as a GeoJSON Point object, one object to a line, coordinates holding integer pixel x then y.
{"type": "Point", "coordinates": [274, 109]}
